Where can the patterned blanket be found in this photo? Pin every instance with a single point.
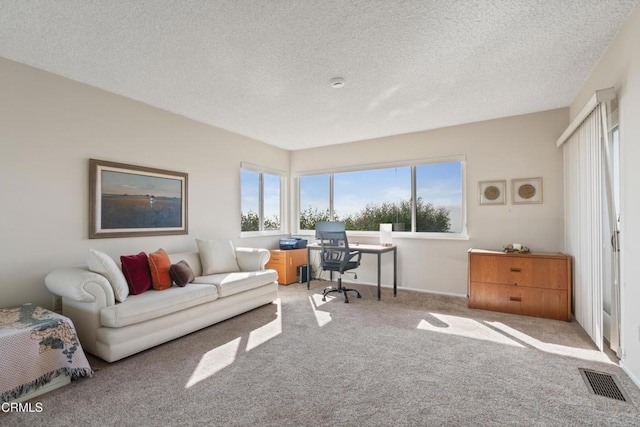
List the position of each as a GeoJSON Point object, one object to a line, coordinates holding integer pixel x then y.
{"type": "Point", "coordinates": [37, 345]}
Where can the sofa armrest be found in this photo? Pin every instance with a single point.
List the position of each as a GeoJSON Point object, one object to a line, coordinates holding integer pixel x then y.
{"type": "Point", "coordinates": [252, 259]}
{"type": "Point", "coordinates": [80, 285]}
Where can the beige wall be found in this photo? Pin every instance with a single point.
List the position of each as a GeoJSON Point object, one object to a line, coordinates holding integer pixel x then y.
{"type": "Point", "coordinates": [513, 147]}
{"type": "Point", "coordinates": [620, 68]}
{"type": "Point", "coordinates": [49, 128]}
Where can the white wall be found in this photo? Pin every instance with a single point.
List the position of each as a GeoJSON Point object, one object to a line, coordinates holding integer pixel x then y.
{"type": "Point", "coordinates": [49, 128]}
{"type": "Point", "coordinates": [620, 68]}
{"type": "Point", "coordinates": [513, 147]}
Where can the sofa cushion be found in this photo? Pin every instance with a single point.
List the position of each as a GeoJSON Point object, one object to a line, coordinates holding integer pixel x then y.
{"type": "Point", "coordinates": [159, 264]}
{"type": "Point", "coordinates": [136, 270]}
{"type": "Point", "coordinates": [181, 273]}
{"type": "Point", "coordinates": [233, 283]}
{"type": "Point", "coordinates": [217, 256]}
{"type": "Point", "coordinates": [153, 304]}
{"type": "Point", "coordinates": [103, 264]}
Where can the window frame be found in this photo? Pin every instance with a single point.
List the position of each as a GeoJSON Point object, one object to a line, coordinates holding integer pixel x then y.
{"type": "Point", "coordinates": [261, 170]}
{"type": "Point", "coordinates": [462, 235]}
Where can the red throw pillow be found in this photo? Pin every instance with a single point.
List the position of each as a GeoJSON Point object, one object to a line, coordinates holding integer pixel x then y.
{"type": "Point", "coordinates": [136, 271]}
{"type": "Point", "coordinates": [159, 264]}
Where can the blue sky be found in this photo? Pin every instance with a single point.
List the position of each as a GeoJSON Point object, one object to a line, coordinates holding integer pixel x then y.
{"type": "Point", "coordinates": [135, 184]}
{"type": "Point", "coordinates": [438, 183]}
{"type": "Point", "coordinates": [250, 188]}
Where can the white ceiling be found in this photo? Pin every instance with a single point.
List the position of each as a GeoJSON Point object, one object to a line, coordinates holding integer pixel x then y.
{"type": "Point", "coordinates": [263, 68]}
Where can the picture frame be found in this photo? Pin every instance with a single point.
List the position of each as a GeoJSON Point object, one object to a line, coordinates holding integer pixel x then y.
{"type": "Point", "coordinates": [492, 192]}
{"type": "Point", "coordinates": [526, 190]}
{"type": "Point", "coordinates": [130, 201]}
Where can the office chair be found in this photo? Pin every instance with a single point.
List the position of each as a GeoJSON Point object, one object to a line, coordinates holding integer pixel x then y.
{"type": "Point", "coordinates": [336, 256]}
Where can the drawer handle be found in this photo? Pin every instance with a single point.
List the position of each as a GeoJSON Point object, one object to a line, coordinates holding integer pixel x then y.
{"type": "Point", "coordinates": [518, 299]}
{"type": "Point", "coordinates": [515, 270]}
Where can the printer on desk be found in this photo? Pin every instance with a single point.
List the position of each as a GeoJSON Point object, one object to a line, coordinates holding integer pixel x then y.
{"type": "Point", "coordinates": [293, 243]}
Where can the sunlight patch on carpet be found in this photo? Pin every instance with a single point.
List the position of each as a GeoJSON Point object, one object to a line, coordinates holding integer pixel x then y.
{"type": "Point", "coordinates": [592, 354]}
{"type": "Point", "coordinates": [265, 333]}
{"type": "Point", "coordinates": [322, 317]}
{"type": "Point", "coordinates": [464, 327]}
{"type": "Point", "coordinates": [214, 361]}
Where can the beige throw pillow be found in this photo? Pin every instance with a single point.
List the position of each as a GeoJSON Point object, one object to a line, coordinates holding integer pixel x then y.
{"type": "Point", "coordinates": [101, 263]}
{"type": "Point", "coordinates": [217, 256]}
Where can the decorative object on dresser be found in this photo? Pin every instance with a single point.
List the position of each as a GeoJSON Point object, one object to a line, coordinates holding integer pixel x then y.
{"type": "Point", "coordinates": [529, 284]}
{"type": "Point", "coordinates": [492, 192]}
{"type": "Point", "coordinates": [516, 247]}
{"type": "Point", "coordinates": [286, 262]}
{"type": "Point", "coordinates": [526, 190]}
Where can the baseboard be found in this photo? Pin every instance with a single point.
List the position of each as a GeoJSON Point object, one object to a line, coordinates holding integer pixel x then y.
{"type": "Point", "coordinates": [631, 375]}
{"type": "Point", "coordinates": [404, 288]}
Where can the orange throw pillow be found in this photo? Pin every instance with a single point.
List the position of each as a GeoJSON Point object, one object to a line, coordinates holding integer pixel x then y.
{"type": "Point", "coordinates": [159, 264]}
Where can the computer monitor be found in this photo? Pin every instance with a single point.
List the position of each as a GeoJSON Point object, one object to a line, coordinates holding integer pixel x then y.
{"type": "Point", "coordinates": [328, 226]}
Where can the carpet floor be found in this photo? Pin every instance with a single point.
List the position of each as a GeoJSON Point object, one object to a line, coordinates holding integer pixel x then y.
{"type": "Point", "coordinates": [417, 359]}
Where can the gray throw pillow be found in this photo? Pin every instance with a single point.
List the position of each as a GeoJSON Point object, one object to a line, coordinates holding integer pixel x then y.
{"type": "Point", "coordinates": [181, 273]}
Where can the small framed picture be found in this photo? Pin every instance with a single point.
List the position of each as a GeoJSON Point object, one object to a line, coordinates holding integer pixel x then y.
{"type": "Point", "coordinates": [526, 190]}
{"type": "Point", "coordinates": [492, 192]}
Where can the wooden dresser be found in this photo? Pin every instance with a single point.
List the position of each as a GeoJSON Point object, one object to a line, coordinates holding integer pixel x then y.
{"type": "Point", "coordinates": [286, 263]}
{"type": "Point", "coordinates": [530, 284]}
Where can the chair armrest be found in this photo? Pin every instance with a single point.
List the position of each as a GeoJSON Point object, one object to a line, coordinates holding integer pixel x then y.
{"type": "Point", "coordinates": [353, 254]}
{"type": "Point", "coordinates": [80, 285]}
{"type": "Point", "coordinates": [252, 259]}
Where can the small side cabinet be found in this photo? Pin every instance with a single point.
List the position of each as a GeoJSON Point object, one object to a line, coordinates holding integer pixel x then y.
{"type": "Point", "coordinates": [286, 263]}
{"type": "Point", "coordinates": [529, 284]}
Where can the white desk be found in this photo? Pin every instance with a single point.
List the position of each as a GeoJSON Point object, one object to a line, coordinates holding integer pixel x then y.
{"type": "Point", "coordinates": [365, 249]}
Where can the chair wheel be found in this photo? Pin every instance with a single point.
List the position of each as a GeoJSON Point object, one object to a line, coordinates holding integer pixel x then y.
{"type": "Point", "coordinates": [359, 296]}
{"type": "Point", "coordinates": [346, 301]}
{"type": "Point", "coordinates": [324, 298]}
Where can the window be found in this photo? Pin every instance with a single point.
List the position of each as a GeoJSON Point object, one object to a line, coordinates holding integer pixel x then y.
{"type": "Point", "coordinates": [314, 200]}
{"type": "Point", "coordinates": [439, 197]}
{"type": "Point", "coordinates": [261, 199]}
{"type": "Point", "coordinates": [365, 199]}
{"type": "Point", "coordinates": [424, 198]}
{"type": "Point", "coordinates": [271, 199]}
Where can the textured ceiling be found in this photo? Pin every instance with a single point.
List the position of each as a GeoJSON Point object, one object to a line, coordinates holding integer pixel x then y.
{"type": "Point", "coordinates": [263, 68]}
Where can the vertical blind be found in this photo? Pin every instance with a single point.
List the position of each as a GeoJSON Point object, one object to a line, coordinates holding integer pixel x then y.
{"type": "Point", "coordinates": [582, 155]}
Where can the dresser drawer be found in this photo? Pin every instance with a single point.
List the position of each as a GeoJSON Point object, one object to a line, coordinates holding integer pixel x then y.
{"type": "Point", "coordinates": [529, 284]}
{"type": "Point", "coordinates": [547, 303]}
{"type": "Point", "coordinates": [286, 263]}
{"type": "Point", "coordinates": [277, 261]}
{"type": "Point", "coordinates": [501, 270]}
{"type": "Point", "coordinates": [551, 273]}
{"type": "Point", "coordinates": [504, 298]}
{"type": "Point", "coordinates": [277, 256]}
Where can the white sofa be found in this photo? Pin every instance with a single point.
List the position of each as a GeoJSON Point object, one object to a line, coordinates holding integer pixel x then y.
{"type": "Point", "coordinates": [113, 330]}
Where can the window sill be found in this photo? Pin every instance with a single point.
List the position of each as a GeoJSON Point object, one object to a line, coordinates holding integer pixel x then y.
{"type": "Point", "coordinates": [432, 236]}
{"type": "Point", "coordinates": [271, 233]}
{"type": "Point", "coordinates": [396, 235]}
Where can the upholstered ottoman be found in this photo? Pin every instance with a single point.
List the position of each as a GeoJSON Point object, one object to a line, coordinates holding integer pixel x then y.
{"type": "Point", "coordinates": [39, 351]}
